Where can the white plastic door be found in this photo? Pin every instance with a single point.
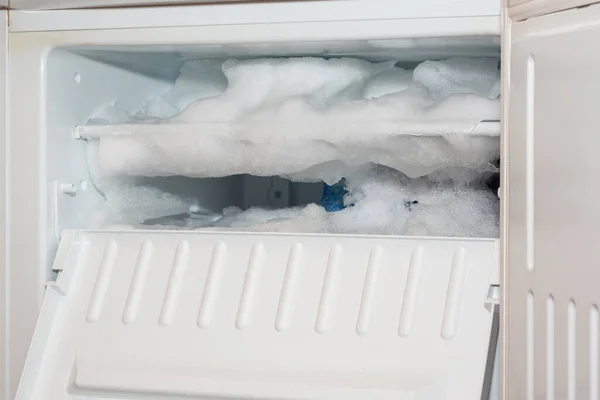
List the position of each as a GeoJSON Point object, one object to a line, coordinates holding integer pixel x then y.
{"type": "Point", "coordinates": [210, 315]}
{"type": "Point", "coordinates": [553, 210]}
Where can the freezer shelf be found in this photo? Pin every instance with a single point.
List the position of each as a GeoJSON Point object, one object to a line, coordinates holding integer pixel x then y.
{"type": "Point", "coordinates": [246, 316]}
{"type": "Point", "coordinates": [298, 149]}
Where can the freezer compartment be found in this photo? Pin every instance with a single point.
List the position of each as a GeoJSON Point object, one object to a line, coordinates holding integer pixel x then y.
{"type": "Point", "coordinates": [139, 294]}
{"type": "Point", "coordinates": [178, 135]}
{"type": "Point", "coordinates": [63, 77]}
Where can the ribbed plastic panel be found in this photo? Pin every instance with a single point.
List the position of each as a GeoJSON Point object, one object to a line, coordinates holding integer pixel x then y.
{"type": "Point", "coordinates": [263, 316]}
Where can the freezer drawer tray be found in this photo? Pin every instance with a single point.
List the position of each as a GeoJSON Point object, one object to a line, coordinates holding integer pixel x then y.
{"type": "Point", "coordinates": [261, 316]}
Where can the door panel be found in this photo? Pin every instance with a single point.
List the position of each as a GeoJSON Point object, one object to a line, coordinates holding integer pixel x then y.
{"type": "Point", "coordinates": [553, 208]}
{"type": "Point", "coordinates": [214, 315]}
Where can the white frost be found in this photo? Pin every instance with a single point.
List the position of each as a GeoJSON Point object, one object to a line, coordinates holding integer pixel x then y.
{"type": "Point", "coordinates": [311, 119]}
{"type": "Point", "coordinates": [308, 119]}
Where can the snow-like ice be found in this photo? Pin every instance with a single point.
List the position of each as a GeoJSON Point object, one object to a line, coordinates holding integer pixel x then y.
{"type": "Point", "coordinates": [400, 138]}
{"type": "Point", "coordinates": [198, 79]}
{"type": "Point", "coordinates": [308, 119]}
{"type": "Point", "coordinates": [479, 76]}
{"type": "Point", "coordinates": [389, 81]}
{"type": "Point", "coordinates": [131, 203]}
{"type": "Point", "coordinates": [383, 202]}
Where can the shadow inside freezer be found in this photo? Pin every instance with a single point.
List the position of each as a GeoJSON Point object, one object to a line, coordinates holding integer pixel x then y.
{"type": "Point", "coordinates": [306, 145]}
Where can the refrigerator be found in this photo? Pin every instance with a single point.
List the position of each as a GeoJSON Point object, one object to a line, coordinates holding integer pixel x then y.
{"type": "Point", "coordinates": [299, 200]}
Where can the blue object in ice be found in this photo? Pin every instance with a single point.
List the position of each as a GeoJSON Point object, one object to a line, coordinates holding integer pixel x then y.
{"type": "Point", "coordinates": [333, 196]}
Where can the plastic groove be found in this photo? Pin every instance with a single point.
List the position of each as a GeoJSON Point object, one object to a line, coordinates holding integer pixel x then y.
{"type": "Point", "coordinates": [212, 285]}
{"type": "Point", "coordinates": [571, 351]}
{"type": "Point", "coordinates": [138, 282]}
{"type": "Point", "coordinates": [255, 263]}
{"type": "Point", "coordinates": [102, 280]}
{"type": "Point", "coordinates": [594, 352]}
{"type": "Point", "coordinates": [282, 321]}
{"type": "Point", "coordinates": [550, 327]}
{"type": "Point", "coordinates": [530, 164]}
{"type": "Point", "coordinates": [530, 360]}
{"type": "Point", "coordinates": [411, 293]}
{"type": "Point", "coordinates": [366, 303]}
{"type": "Point", "coordinates": [454, 294]}
{"type": "Point", "coordinates": [178, 269]}
{"type": "Point", "coordinates": [327, 293]}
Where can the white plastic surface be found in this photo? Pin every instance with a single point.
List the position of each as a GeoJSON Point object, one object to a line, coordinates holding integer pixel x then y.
{"type": "Point", "coordinates": [238, 316]}
{"type": "Point", "coordinates": [552, 331]}
{"type": "Point", "coordinates": [47, 155]}
{"type": "Point", "coordinates": [431, 14]}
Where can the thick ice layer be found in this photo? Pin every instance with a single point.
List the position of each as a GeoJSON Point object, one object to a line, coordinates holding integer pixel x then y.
{"type": "Point", "coordinates": [313, 119]}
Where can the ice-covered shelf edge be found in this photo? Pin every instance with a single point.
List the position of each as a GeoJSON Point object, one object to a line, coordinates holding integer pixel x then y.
{"type": "Point", "coordinates": [409, 128]}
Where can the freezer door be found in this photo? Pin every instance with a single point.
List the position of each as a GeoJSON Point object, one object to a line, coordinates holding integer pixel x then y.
{"type": "Point", "coordinates": [553, 209]}
{"type": "Point", "coordinates": [264, 316]}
